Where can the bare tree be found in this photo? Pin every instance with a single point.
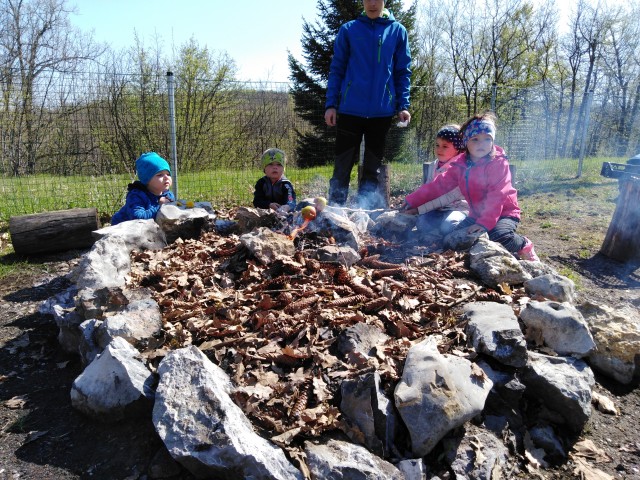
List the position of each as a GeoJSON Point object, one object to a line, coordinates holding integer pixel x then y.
{"type": "Point", "coordinates": [433, 94]}
{"type": "Point", "coordinates": [469, 43]}
{"type": "Point", "coordinates": [37, 43]}
{"type": "Point", "coordinates": [588, 33]}
{"type": "Point", "coordinates": [494, 42]}
{"type": "Point", "coordinates": [621, 53]}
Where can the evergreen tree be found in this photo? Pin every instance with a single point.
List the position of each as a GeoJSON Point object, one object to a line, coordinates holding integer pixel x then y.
{"type": "Point", "coordinates": [316, 147]}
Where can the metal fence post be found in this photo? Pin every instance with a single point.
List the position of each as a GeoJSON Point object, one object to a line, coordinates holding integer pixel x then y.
{"type": "Point", "coordinates": [494, 94]}
{"type": "Point", "coordinates": [172, 131]}
{"type": "Point", "coordinates": [585, 128]}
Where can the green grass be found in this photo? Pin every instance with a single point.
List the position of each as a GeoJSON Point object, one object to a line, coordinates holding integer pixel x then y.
{"type": "Point", "coordinates": [10, 263]}
{"type": "Point", "coordinates": [573, 276]}
{"type": "Point", "coordinates": [229, 187]}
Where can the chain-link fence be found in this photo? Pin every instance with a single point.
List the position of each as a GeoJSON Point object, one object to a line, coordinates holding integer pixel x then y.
{"type": "Point", "coordinates": [71, 139]}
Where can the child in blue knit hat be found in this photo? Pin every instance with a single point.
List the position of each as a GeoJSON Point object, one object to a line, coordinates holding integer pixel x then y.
{"type": "Point", "coordinates": [146, 195]}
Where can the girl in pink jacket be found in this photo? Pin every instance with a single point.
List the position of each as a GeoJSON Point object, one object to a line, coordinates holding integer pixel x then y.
{"type": "Point", "coordinates": [482, 174]}
{"type": "Point", "coordinates": [441, 215]}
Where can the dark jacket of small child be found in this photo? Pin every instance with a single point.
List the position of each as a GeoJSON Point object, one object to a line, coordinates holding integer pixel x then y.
{"type": "Point", "coordinates": [281, 192]}
{"type": "Point", "coordinates": [141, 204]}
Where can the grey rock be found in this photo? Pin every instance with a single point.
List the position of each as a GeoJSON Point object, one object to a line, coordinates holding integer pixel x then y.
{"type": "Point", "coordinates": [493, 329]}
{"type": "Point", "coordinates": [346, 461]}
{"type": "Point", "coordinates": [445, 389]}
{"type": "Point", "coordinates": [552, 287]}
{"type": "Point", "coordinates": [370, 413]}
{"type": "Point", "coordinates": [560, 325]}
{"type": "Point", "coordinates": [460, 240]}
{"type": "Point", "coordinates": [115, 385]}
{"type": "Point", "coordinates": [479, 455]}
{"type": "Point", "coordinates": [136, 234]}
{"type": "Point", "coordinates": [204, 430]}
{"type": "Point", "coordinates": [268, 246]}
{"type": "Point", "coordinates": [616, 333]}
{"type": "Point", "coordinates": [495, 265]}
{"type": "Point", "coordinates": [105, 265]}
{"type": "Point", "coordinates": [544, 437]}
{"type": "Point", "coordinates": [563, 384]}
{"type": "Point", "coordinates": [248, 219]}
{"type": "Point", "coordinates": [183, 223]}
{"type": "Point", "coordinates": [412, 469]}
{"type": "Point", "coordinates": [343, 255]}
{"type": "Point", "coordinates": [357, 343]}
{"type": "Point", "coordinates": [140, 321]}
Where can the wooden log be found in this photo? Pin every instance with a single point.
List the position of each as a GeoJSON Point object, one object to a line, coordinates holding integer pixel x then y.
{"type": "Point", "coordinates": [384, 185]}
{"type": "Point", "coordinates": [622, 241]}
{"type": "Point", "coordinates": [53, 231]}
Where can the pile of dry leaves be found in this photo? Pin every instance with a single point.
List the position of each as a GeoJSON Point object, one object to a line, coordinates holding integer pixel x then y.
{"type": "Point", "coordinates": [276, 329]}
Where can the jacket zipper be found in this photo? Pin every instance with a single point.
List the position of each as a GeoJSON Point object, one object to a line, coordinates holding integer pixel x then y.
{"type": "Point", "coordinates": [466, 183]}
{"type": "Point", "coordinates": [346, 90]}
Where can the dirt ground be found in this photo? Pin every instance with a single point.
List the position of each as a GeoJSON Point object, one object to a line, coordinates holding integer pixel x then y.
{"type": "Point", "coordinates": [43, 437]}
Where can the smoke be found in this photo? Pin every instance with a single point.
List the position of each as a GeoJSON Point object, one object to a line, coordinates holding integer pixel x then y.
{"type": "Point", "coordinates": [371, 200]}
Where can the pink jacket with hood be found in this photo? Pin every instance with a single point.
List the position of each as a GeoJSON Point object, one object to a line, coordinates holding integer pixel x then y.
{"type": "Point", "coordinates": [486, 186]}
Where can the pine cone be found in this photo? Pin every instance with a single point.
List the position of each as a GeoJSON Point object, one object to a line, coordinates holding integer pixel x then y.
{"type": "Point", "coordinates": [375, 305]}
{"type": "Point", "coordinates": [346, 301]}
{"type": "Point", "coordinates": [301, 304]}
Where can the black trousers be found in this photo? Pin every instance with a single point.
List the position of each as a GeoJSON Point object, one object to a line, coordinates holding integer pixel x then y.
{"type": "Point", "coordinates": [351, 130]}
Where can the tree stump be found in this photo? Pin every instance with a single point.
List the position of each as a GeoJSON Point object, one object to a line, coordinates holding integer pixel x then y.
{"type": "Point", "coordinates": [53, 231]}
{"type": "Point", "coordinates": [622, 241]}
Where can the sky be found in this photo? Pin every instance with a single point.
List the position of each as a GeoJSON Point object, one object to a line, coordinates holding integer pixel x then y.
{"type": "Point", "coordinates": [256, 33]}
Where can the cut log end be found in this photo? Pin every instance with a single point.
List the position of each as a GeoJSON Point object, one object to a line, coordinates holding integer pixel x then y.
{"type": "Point", "coordinates": [55, 231]}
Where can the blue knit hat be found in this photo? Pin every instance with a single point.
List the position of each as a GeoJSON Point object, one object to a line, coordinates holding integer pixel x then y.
{"type": "Point", "coordinates": [148, 164]}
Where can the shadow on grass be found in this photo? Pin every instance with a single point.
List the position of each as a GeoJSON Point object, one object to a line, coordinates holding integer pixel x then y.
{"type": "Point", "coordinates": [39, 292]}
{"type": "Point", "coordinates": [13, 267]}
{"type": "Point", "coordinates": [604, 271]}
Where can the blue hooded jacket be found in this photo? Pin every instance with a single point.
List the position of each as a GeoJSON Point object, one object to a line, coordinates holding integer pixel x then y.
{"type": "Point", "coordinates": [370, 70]}
{"type": "Point", "coordinates": [141, 204]}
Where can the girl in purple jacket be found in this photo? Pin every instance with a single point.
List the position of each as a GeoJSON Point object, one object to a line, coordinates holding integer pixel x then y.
{"type": "Point", "coordinates": [482, 174]}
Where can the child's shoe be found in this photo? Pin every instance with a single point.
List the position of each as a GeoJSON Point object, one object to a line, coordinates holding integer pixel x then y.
{"type": "Point", "coordinates": [527, 252]}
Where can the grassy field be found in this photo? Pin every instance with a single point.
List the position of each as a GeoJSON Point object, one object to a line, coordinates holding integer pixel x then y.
{"type": "Point", "coordinates": [225, 188]}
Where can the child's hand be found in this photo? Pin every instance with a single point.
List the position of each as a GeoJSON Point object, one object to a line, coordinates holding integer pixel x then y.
{"type": "Point", "coordinates": [475, 228]}
{"type": "Point", "coordinates": [163, 200]}
{"type": "Point", "coordinates": [274, 206]}
{"type": "Point", "coordinates": [407, 210]}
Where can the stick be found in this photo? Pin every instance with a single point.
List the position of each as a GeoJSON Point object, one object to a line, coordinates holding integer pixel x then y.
{"type": "Point", "coordinates": [357, 209]}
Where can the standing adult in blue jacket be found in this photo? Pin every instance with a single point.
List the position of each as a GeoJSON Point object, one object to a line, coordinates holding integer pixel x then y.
{"type": "Point", "coordinates": [368, 84]}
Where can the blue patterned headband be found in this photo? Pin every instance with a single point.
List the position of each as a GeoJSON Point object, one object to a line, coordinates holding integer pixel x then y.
{"type": "Point", "coordinates": [477, 126]}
